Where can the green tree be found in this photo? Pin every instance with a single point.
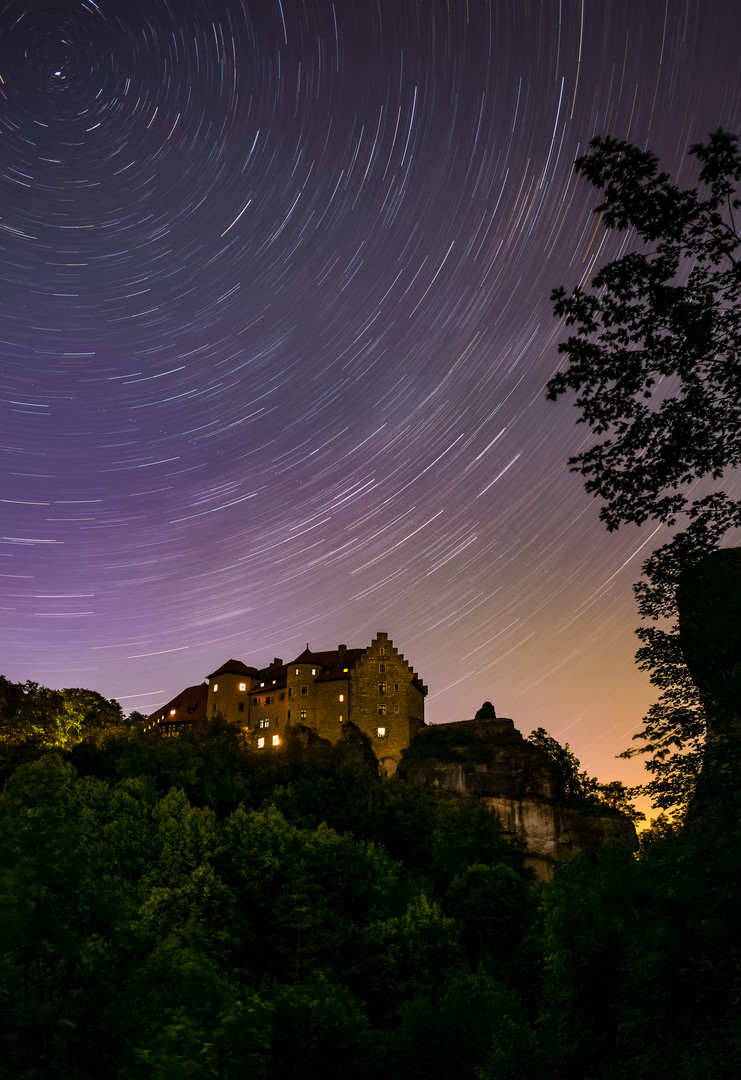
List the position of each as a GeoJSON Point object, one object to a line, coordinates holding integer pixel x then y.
{"type": "Point", "coordinates": [654, 363]}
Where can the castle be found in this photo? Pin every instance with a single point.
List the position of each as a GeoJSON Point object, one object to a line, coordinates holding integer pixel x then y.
{"type": "Point", "coordinates": [373, 689]}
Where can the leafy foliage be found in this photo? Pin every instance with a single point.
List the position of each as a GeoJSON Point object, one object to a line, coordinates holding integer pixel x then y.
{"type": "Point", "coordinates": [145, 932]}
{"type": "Point", "coordinates": [654, 362]}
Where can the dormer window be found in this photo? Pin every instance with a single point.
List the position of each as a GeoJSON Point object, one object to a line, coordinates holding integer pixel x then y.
{"type": "Point", "coordinates": [172, 712]}
{"type": "Point", "coordinates": [313, 671]}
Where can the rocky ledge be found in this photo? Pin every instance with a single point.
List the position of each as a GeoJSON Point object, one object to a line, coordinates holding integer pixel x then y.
{"type": "Point", "coordinates": [516, 779]}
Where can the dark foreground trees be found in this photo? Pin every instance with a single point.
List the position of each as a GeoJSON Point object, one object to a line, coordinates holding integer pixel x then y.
{"type": "Point", "coordinates": [655, 363]}
{"type": "Point", "coordinates": [184, 908]}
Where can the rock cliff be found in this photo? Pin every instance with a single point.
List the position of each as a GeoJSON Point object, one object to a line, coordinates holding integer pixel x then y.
{"type": "Point", "coordinates": [516, 779]}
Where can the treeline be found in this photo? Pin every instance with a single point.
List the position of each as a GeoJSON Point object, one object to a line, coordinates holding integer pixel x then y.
{"type": "Point", "coordinates": [186, 908]}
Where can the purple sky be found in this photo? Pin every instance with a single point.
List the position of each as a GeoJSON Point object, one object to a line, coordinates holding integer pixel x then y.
{"type": "Point", "coordinates": [275, 330]}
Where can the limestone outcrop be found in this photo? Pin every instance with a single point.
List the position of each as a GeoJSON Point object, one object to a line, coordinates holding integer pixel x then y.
{"type": "Point", "coordinates": [516, 779]}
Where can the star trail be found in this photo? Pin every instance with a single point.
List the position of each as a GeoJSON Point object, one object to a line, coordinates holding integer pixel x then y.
{"type": "Point", "coordinates": [275, 331]}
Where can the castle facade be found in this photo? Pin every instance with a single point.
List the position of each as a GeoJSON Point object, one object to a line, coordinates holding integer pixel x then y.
{"type": "Point", "coordinates": [374, 689]}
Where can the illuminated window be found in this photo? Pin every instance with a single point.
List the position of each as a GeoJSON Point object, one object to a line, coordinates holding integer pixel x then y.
{"type": "Point", "coordinates": [382, 688]}
{"type": "Point", "coordinates": [276, 740]}
{"type": "Point", "coordinates": [342, 697]}
{"type": "Point", "coordinates": [216, 687]}
{"type": "Point", "coordinates": [296, 671]}
{"type": "Point", "coordinates": [382, 669]}
{"type": "Point", "coordinates": [313, 671]}
{"type": "Point", "coordinates": [243, 686]}
{"type": "Point", "coordinates": [381, 733]}
{"type": "Point", "coordinates": [260, 744]}
{"type": "Point", "coordinates": [304, 690]}
{"type": "Point", "coordinates": [303, 714]}
{"type": "Point", "coordinates": [172, 712]}
{"type": "Point", "coordinates": [262, 684]}
{"type": "Point", "coordinates": [340, 718]}
{"type": "Point", "coordinates": [346, 669]}
{"type": "Point", "coordinates": [381, 710]}
{"type": "Point", "coordinates": [264, 723]}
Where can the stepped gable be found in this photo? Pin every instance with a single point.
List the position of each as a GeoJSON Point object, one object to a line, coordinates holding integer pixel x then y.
{"type": "Point", "coordinates": [331, 692]}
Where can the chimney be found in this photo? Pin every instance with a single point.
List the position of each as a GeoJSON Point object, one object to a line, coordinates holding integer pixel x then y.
{"type": "Point", "coordinates": [277, 662]}
{"type": "Point", "coordinates": [342, 649]}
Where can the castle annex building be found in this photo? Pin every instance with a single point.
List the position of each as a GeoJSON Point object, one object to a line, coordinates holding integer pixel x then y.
{"type": "Point", "coordinates": [375, 689]}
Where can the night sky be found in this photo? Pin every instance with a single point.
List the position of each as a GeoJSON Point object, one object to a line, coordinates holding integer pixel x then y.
{"type": "Point", "coordinates": [275, 331]}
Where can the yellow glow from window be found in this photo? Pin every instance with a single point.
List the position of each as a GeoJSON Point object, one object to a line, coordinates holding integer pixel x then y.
{"type": "Point", "coordinates": [216, 687]}
{"type": "Point", "coordinates": [260, 744]}
{"type": "Point", "coordinates": [243, 686]}
{"type": "Point", "coordinates": [381, 732]}
{"type": "Point", "coordinates": [172, 712]}
{"type": "Point", "coordinates": [342, 697]}
{"type": "Point", "coordinates": [276, 740]}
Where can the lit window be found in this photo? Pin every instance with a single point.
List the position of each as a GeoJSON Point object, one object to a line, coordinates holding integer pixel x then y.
{"type": "Point", "coordinates": [262, 684]}
{"type": "Point", "coordinates": [346, 669]}
{"type": "Point", "coordinates": [381, 733]}
{"type": "Point", "coordinates": [304, 689]}
{"type": "Point", "coordinates": [216, 687]}
{"type": "Point", "coordinates": [381, 710]}
{"type": "Point", "coordinates": [260, 744]}
{"type": "Point", "coordinates": [382, 688]}
{"type": "Point", "coordinates": [342, 697]}
{"type": "Point", "coordinates": [243, 686]}
{"type": "Point", "coordinates": [276, 740]}
{"type": "Point", "coordinates": [297, 671]}
{"type": "Point", "coordinates": [172, 712]}
{"type": "Point", "coordinates": [313, 671]}
{"type": "Point", "coordinates": [340, 718]}
{"type": "Point", "coordinates": [303, 714]}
